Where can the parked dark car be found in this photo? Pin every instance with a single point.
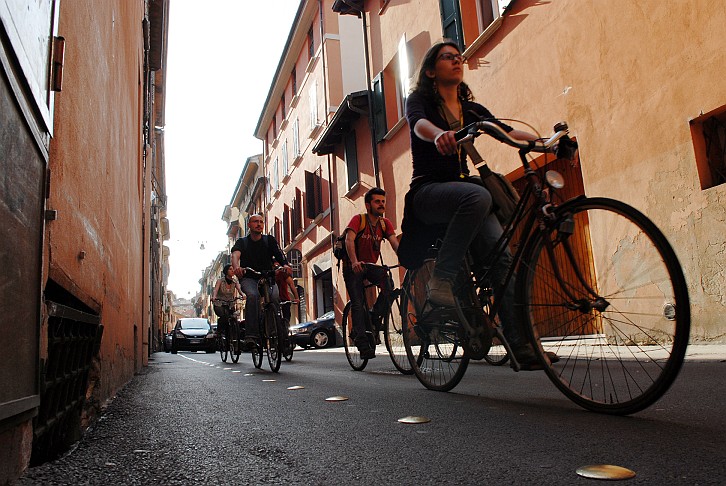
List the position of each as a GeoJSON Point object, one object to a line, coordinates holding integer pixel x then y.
{"type": "Point", "coordinates": [193, 334]}
{"type": "Point", "coordinates": [167, 341]}
{"type": "Point", "coordinates": [320, 333]}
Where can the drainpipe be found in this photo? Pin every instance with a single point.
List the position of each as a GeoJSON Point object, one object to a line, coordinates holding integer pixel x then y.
{"type": "Point", "coordinates": [371, 121]}
{"type": "Point", "coordinates": [331, 199]}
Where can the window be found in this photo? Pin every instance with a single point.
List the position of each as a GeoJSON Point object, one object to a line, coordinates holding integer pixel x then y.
{"type": "Point", "coordinates": [311, 43]}
{"type": "Point", "coordinates": [286, 240]}
{"type": "Point", "coordinates": [294, 258]}
{"type": "Point", "coordinates": [293, 79]}
{"type": "Point", "coordinates": [284, 159]}
{"type": "Point", "coordinates": [296, 138]}
{"type": "Point", "coordinates": [313, 101]}
{"type": "Point", "coordinates": [313, 193]}
{"type": "Point", "coordinates": [709, 139]}
{"type": "Point", "coordinates": [274, 126]}
{"type": "Point", "coordinates": [351, 159]}
{"type": "Point", "coordinates": [297, 213]}
{"type": "Point", "coordinates": [282, 105]}
{"type": "Point", "coordinates": [478, 17]}
{"type": "Point", "coordinates": [276, 229]}
{"type": "Point", "coordinates": [451, 22]}
{"type": "Point", "coordinates": [379, 108]}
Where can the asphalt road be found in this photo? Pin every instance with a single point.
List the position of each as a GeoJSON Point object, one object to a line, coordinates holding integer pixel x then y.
{"type": "Point", "coordinates": [190, 419]}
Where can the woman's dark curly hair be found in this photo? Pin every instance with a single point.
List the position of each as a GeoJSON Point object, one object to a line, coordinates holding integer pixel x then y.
{"type": "Point", "coordinates": [225, 269]}
{"type": "Point", "coordinates": [426, 86]}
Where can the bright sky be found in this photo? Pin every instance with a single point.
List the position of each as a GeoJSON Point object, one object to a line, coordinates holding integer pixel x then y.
{"type": "Point", "coordinates": [222, 55]}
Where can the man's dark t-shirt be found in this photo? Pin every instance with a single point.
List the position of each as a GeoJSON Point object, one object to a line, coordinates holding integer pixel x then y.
{"type": "Point", "coordinates": [259, 254]}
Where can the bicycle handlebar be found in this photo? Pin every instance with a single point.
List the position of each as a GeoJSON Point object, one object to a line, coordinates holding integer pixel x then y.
{"type": "Point", "coordinates": [567, 147]}
{"type": "Point", "coordinates": [256, 274]}
{"type": "Point", "coordinates": [385, 267]}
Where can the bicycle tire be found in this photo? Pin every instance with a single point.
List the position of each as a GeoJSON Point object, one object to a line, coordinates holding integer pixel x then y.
{"type": "Point", "coordinates": [235, 347]}
{"type": "Point", "coordinates": [393, 335]}
{"type": "Point", "coordinates": [224, 345]}
{"type": "Point", "coordinates": [351, 351]}
{"type": "Point", "coordinates": [257, 350]}
{"type": "Point", "coordinates": [272, 339]}
{"type": "Point", "coordinates": [287, 349]}
{"type": "Point", "coordinates": [497, 355]}
{"type": "Point", "coordinates": [442, 369]}
{"type": "Point", "coordinates": [621, 357]}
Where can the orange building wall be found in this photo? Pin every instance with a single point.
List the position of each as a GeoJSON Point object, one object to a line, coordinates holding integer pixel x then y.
{"type": "Point", "coordinates": [96, 180]}
{"type": "Point", "coordinates": [628, 77]}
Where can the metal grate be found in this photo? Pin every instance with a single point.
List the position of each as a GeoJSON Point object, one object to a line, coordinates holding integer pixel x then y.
{"type": "Point", "coordinates": [74, 338]}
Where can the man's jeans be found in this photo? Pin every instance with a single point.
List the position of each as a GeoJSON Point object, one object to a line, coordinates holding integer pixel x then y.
{"type": "Point", "coordinates": [466, 210]}
{"type": "Point", "coordinates": [354, 283]}
{"type": "Point", "coordinates": [252, 306]}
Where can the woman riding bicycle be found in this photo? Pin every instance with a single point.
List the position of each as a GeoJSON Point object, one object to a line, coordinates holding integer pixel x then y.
{"type": "Point", "coordinates": [225, 291]}
{"type": "Point", "coordinates": [442, 192]}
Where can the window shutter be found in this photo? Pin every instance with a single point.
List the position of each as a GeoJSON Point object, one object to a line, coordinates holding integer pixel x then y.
{"type": "Point", "coordinates": [379, 108]}
{"type": "Point", "coordinates": [451, 22]}
{"type": "Point", "coordinates": [351, 158]}
{"type": "Point", "coordinates": [310, 195]}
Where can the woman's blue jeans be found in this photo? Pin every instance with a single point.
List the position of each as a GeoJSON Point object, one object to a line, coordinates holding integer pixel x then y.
{"type": "Point", "coordinates": [465, 209]}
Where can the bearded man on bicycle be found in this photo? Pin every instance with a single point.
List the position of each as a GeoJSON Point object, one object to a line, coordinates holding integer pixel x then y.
{"type": "Point", "coordinates": [363, 237]}
{"type": "Point", "coordinates": [256, 251]}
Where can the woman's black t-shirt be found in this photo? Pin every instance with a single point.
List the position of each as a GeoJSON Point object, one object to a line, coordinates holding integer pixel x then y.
{"type": "Point", "coordinates": [428, 163]}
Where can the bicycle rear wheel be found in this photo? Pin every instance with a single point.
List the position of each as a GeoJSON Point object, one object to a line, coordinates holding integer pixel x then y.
{"type": "Point", "coordinates": [272, 339]}
{"type": "Point", "coordinates": [430, 338]}
{"type": "Point", "coordinates": [618, 314]}
{"type": "Point", "coordinates": [497, 355]}
{"type": "Point", "coordinates": [224, 345]}
{"type": "Point", "coordinates": [393, 335]}
{"type": "Point", "coordinates": [351, 351]}
{"type": "Point", "coordinates": [235, 346]}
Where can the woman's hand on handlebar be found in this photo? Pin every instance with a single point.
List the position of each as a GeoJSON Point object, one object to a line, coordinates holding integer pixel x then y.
{"type": "Point", "coordinates": [446, 142]}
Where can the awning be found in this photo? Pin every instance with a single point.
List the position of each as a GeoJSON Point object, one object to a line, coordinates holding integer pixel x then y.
{"type": "Point", "coordinates": [348, 7]}
{"type": "Point", "coordinates": [353, 106]}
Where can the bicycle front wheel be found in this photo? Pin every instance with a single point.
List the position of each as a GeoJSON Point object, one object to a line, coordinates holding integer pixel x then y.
{"type": "Point", "coordinates": [351, 351]}
{"type": "Point", "coordinates": [272, 340]}
{"type": "Point", "coordinates": [604, 290]}
{"type": "Point", "coordinates": [393, 334]}
{"type": "Point", "coordinates": [431, 340]}
{"type": "Point", "coordinates": [288, 345]}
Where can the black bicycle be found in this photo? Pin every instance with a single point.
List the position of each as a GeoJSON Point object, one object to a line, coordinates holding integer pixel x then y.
{"type": "Point", "coordinates": [595, 281]}
{"type": "Point", "coordinates": [390, 324]}
{"type": "Point", "coordinates": [270, 341]}
{"type": "Point", "coordinates": [230, 342]}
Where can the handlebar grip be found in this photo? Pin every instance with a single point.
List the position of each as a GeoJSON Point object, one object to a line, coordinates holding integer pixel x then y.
{"type": "Point", "coordinates": [470, 129]}
{"type": "Point", "coordinates": [566, 148]}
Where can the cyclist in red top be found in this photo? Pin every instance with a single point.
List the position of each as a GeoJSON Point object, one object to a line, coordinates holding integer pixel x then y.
{"type": "Point", "coordinates": [364, 246]}
{"type": "Point", "coordinates": [287, 290]}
